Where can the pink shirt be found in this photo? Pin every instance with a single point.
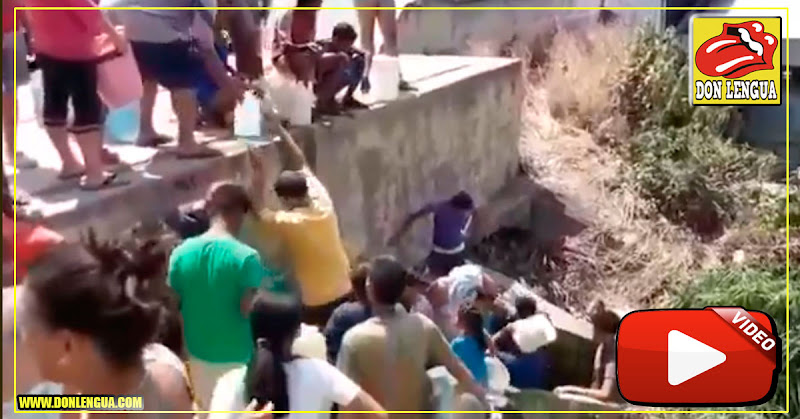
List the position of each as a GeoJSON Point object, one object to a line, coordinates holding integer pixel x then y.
{"type": "Point", "coordinates": [65, 34]}
{"type": "Point", "coordinates": [8, 16]}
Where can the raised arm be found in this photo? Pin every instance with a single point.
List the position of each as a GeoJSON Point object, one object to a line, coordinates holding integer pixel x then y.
{"type": "Point", "coordinates": [292, 155]}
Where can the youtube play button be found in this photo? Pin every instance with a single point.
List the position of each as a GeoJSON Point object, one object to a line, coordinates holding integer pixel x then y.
{"type": "Point", "coordinates": [687, 357]}
{"type": "Point", "coordinates": [716, 356]}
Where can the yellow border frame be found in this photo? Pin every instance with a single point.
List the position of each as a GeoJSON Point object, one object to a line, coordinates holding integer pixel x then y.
{"type": "Point", "coordinates": [786, 68]}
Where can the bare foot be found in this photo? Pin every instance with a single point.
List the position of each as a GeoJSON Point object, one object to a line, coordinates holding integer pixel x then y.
{"type": "Point", "coordinates": [70, 173]}
{"type": "Point", "coordinates": [109, 157]}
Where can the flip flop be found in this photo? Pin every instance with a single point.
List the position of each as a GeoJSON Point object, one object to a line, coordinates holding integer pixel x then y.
{"type": "Point", "coordinates": [70, 176]}
{"type": "Point", "coordinates": [111, 181]}
{"type": "Point", "coordinates": [405, 86]}
{"type": "Point", "coordinates": [200, 153]}
{"type": "Point", "coordinates": [154, 141]}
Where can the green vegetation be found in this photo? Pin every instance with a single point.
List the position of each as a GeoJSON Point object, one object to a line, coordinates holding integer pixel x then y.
{"type": "Point", "coordinates": [681, 161]}
{"type": "Point", "coordinates": [762, 288]}
{"type": "Point", "coordinates": [679, 155]}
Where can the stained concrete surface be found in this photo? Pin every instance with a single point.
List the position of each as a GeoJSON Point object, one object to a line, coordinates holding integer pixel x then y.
{"type": "Point", "coordinates": [485, 32]}
{"type": "Point", "coordinates": [458, 130]}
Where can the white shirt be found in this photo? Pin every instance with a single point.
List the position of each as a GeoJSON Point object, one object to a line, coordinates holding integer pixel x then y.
{"type": "Point", "coordinates": [313, 385]}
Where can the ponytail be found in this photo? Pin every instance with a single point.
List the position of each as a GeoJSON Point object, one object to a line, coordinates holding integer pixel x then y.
{"type": "Point", "coordinates": [274, 324]}
{"type": "Point", "coordinates": [267, 381]}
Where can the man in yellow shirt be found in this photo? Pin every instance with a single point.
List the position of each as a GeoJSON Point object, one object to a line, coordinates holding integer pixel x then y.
{"type": "Point", "coordinates": [308, 231]}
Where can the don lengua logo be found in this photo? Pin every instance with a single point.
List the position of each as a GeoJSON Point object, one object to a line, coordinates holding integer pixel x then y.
{"type": "Point", "coordinates": [736, 61]}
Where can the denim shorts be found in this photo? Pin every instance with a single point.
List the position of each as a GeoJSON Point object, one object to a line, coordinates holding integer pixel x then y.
{"type": "Point", "coordinates": [8, 61]}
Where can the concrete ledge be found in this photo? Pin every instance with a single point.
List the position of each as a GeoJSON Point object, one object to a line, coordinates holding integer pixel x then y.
{"type": "Point", "coordinates": [539, 400]}
{"type": "Point", "coordinates": [458, 130]}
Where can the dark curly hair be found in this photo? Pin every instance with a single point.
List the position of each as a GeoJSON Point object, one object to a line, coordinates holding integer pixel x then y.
{"type": "Point", "coordinates": [103, 291]}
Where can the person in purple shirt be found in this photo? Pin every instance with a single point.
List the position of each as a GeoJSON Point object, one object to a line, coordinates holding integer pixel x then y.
{"type": "Point", "coordinates": [451, 222]}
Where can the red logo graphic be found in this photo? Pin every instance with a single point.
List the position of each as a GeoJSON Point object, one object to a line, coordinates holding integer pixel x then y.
{"type": "Point", "coordinates": [719, 356]}
{"type": "Point", "coordinates": [739, 50]}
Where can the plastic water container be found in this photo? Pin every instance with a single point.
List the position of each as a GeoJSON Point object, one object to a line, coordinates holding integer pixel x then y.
{"type": "Point", "coordinates": [444, 386]}
{"type": "Point", "coordinates": [119, 82]}
{"type": "Point", "coordinates": [533, 332]}
{"type": "Point", "coordinates": [247, 118]}
{"type": "Point", "coordinates": [122, 123]}
{"type": "Point", "coordinates": [310, 343]}
{"type": "Point", "coordinates": [291, 99]}
{"type": "Point", "coordinates": [499, 377]}
{"type": "Point", "coordinates": [385, 78]}
{"type": "Point", "coordinates": [302, 105]}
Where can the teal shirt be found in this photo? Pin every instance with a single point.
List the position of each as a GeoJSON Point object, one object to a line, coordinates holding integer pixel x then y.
{"type": "Point", "coordinates": [211, 275]}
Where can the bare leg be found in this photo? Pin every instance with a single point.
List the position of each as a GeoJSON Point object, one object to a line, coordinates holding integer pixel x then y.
{"type": "Point", "coordinates": [148, 137]}
{"type": "Point", "coordinates": [184, 103]}
{"type": "Point", "coordinates": [70, 167]}
{"type": "Point", "coordinates": [331, 80]}
{"type": "Point", "coordinates": [91, 144]}
{"type": "Point", "coordinates": [388, 24]}
{"type": "Point", "coordinates": [366, 22]}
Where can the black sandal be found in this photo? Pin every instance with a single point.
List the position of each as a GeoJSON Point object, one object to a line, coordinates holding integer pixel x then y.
{"type": "Point", "coordinates": [111, 180]}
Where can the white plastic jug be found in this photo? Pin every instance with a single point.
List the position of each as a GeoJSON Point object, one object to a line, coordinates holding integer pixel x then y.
{"type": "Point", "coordinates": [302, 105]}
{"type": "Point", "coordinates": [533, 332]}
{"type": "Point", "coordinates": [247, 117]}
{"type": "Point", "coordinates": [291, 100]}
{"type": "Point", "coordinates": [310, 343]}
{"type": "Point", "coordinates": [385, 78]}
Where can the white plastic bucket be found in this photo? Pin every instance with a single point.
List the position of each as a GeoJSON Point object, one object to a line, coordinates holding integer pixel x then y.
{"type": "Point", "coordinates": [385, 78]}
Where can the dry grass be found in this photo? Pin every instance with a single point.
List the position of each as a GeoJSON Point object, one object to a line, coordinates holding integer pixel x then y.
{"type": "Point", "coordinates": [628, 255]}
{"type": "Point", "coordinates": [624, 256]}
{"type": "Point", "coordinates": [581, 71]}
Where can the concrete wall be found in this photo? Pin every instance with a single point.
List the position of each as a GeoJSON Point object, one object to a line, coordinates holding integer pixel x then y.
{"type": "Point", "coordinates": [460, 132]}
{"type": "Point", "coordinates": [484, 32]}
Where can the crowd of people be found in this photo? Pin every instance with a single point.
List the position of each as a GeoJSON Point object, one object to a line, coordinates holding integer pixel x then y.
{"type": "Point", "coordinates": [210, 324]}
{"type": "Point", "coordinates": [185, 51]}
